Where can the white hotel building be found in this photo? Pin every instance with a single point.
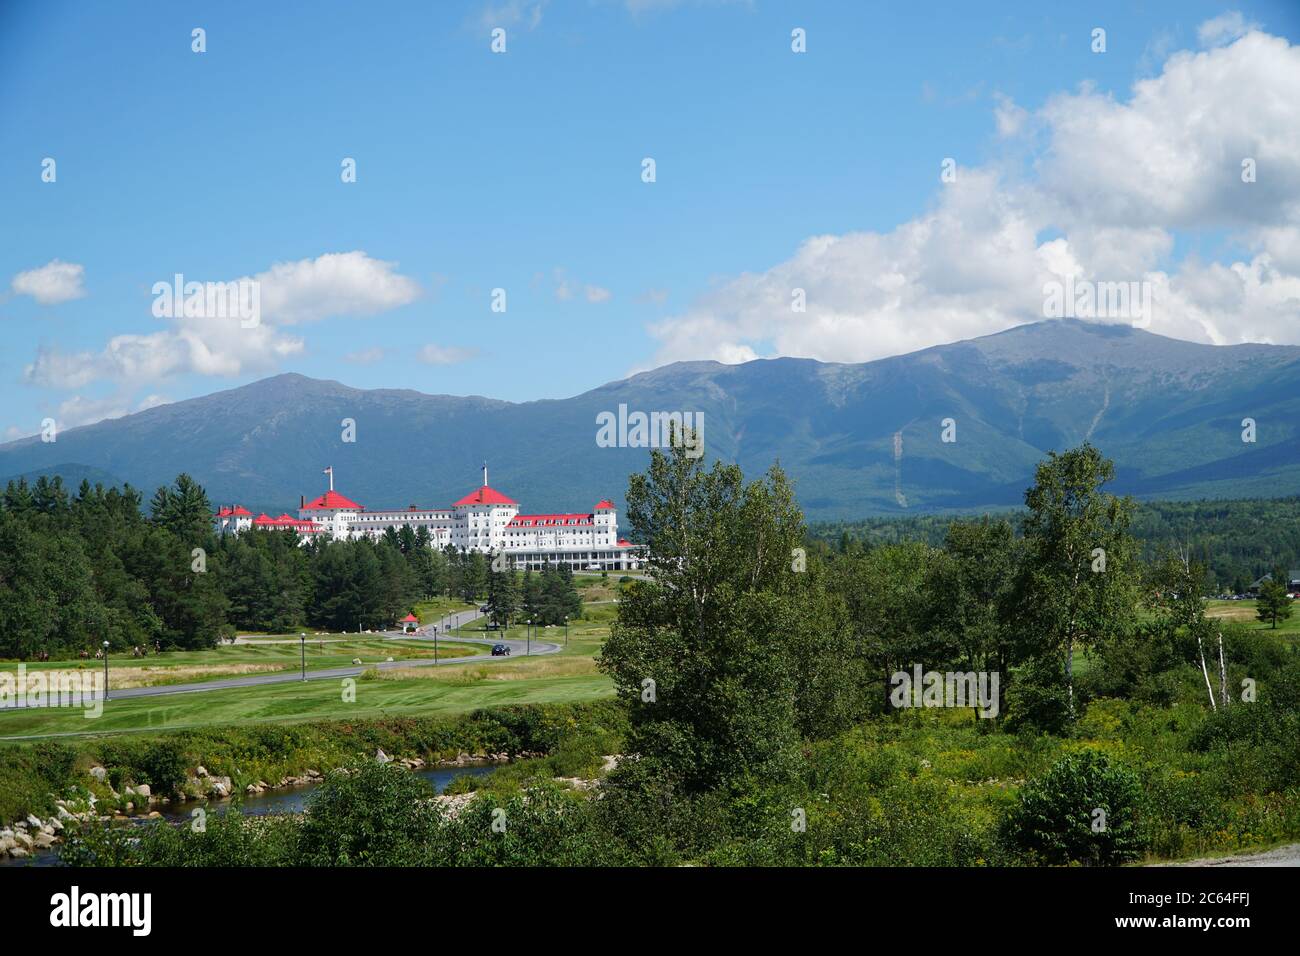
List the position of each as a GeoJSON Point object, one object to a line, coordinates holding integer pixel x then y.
{"type": "Point", "coordinates": [484, 520]}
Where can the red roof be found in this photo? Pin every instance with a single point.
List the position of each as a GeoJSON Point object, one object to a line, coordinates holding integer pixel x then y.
{"type": "Point", "coordinates": [410, 619]}
{"type": "Point", "coordinates": [604, 503]}
{"type": "Point", "coordinates": [624, 543]}
{"type": "Point", "coordinates": [485, 496]}
{"type": "Point", "coordinates": [238, 511]}
{"type": "Point", "coordinates": [332, 500]}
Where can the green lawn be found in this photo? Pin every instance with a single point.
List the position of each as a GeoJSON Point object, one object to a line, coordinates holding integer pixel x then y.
{"type": "Point", "coordinates": [569, 675]}
{"type": "Point", "coordinates": [314, 700]}
{"type": "Point", "coordinates": [323, 651]}
{"type": "Point", "coordinates": [1244, 612]}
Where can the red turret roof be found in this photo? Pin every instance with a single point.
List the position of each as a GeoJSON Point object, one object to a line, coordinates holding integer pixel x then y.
{"type": "Point", "coordinates": [485, 496]}
{"type": "Point", "coordinates": [238, 511]}
{"type": "Point", "coordinates": [410, 619]}
{"type": "Point", "coordinates": [604, 503]}
{"type": "Point", "coordinates": [332, 500]}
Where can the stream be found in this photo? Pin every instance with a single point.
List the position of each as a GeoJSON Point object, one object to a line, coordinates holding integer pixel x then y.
{"type": "Point", "coordinates": [292, 800]}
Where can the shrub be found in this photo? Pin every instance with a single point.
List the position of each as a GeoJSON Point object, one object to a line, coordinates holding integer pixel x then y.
{"type": "Point", "coordinates": [1056, 817]}
{"type": "Point", "coordinates": [372, 815]}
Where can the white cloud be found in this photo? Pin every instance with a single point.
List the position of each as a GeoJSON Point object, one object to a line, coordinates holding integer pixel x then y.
{"type": "Point", "coordinates": [1225, 28]}
{"type": "Point", "coordinates": [510, 13]}
{"type": "Point", "coordinates": [79, 410]}
{"type": "Point", "coordinates": [1115, 183]}
{"type": "Point", "coordinates": [445, 355]}
{"type": "Point", "coordinates": [335, 284]}
{"type": "Point", "coordinates": [566, 289]}
{"type": "Point", "coordinates": [1009, 117]}
{"type": "Point", "coordinates": [52, 283]}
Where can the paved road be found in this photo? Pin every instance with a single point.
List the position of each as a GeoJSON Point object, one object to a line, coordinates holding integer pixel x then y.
{"type": "Point", "coordinates": [352, 670]}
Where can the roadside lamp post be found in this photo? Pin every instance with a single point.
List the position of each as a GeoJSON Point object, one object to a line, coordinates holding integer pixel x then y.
{"type": "Point", "coordinates": [106, 670]}
{"type": "Point", "coordinates": [435, 644]}
{"type": "Point", "coordinates": [566, 630]}
{"type": "Point", "coordinates": [528, 630]}
{"type": "Point", "coordinates": [302, 643]}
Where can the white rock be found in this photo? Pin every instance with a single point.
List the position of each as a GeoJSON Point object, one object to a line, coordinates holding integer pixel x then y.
{"type": "Point", "coordinates": [99, 773]}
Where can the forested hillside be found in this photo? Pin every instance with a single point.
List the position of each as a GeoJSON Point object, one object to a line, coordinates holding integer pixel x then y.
{"type": "Point", "coordinates": [1237, 541]}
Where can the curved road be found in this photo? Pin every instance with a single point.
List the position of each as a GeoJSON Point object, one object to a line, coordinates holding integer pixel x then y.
{"type": "Point", "coordinates": [352, 670]}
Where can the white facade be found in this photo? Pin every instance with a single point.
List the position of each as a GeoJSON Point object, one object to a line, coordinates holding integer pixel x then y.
{"type": "Point", "coordinates": [485, 521]}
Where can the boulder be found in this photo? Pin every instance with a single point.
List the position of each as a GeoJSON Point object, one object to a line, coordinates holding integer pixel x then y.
{"type": "Point", "coordinates": [356, 660]}
{"type": "Point", "coordinates": [55, 823]}
{"type": "Point", "coordinates": [18, 853]}
{"type": "Point", "coordinates": [143, 790]}
{"type": "Point", "coordinates": [33, 820]}
{"type": "Point", "coordinates": [382, 757]}
{"type": "Point", "coordinates": [99, 773]}
{"type": "Point", "coordinates": [43, 841]}
{"type": "Point", "coordinates": [200, 771]}
{"type": "Point", "coordinates": [7, 844]}
{"type": "Point", "coordinates": [23, 840]}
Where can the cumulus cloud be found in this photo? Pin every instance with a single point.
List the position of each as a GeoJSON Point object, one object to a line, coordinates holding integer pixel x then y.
{"type": "Point", "coordinates": [52, 283]}
{"type": "Point", "coordinates": [597, 294]}
{"type": "Point", "coordinates": [1115, 181]}
{"type": "Point", "coordinates": [335, 284]}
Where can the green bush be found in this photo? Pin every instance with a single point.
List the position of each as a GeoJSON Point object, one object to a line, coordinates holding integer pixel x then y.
{"type": "Point", "coordinates": [1056, 818]}
{"type": "Point", "coordinates": [372, 815]}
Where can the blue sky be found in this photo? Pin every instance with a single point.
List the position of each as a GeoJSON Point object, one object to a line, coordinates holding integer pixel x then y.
{"type": "Point", "coordinates": [522, 171]}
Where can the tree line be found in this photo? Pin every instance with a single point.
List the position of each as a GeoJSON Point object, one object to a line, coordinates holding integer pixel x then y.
{"type": "Point", "coordinates": [78, 569]}
{"type": "Point", "coordinates": [1236, 541]}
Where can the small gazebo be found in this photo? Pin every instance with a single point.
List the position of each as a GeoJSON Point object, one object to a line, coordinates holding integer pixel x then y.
{"type": "Point", "coordinates": [410, 624]}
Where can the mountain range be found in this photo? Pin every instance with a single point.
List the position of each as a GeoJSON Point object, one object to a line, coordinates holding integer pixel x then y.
{"type": "Point", "coordinates": [859, 439]}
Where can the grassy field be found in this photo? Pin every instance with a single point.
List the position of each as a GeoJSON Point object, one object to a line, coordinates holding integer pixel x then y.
{"type": "Point", "coordinates": [1244, 613]}
{"type": "Point", "coordinates": [232, 660]}
{"type": "Point", "coordinates": [569, 675]}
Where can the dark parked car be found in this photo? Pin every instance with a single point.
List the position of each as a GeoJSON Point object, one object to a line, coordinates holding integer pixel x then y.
{"type": "Point", "coordinates": [500, 650]}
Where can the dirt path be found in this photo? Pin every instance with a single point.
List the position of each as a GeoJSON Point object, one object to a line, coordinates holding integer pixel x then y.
{"type": "Point", "coordinates": [1282, 856]}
